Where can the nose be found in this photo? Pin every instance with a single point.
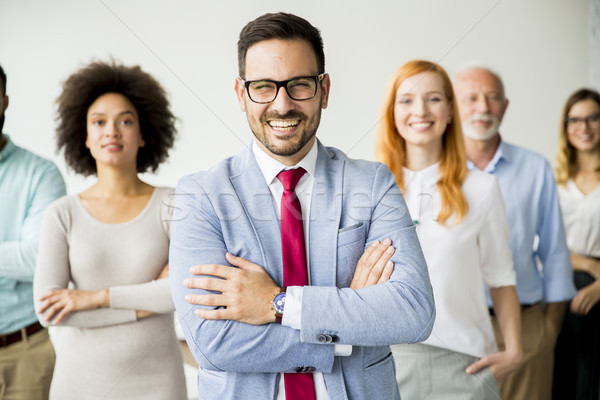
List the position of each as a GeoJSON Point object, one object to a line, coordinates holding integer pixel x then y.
{"type": "Point", "coordinates": [282, 102]}
{"type": "Point", "coordinates": [111, 129]}
{"type": "Point", "coordinates": [419, 107]}
{"type": "Point", "coordinates": [482, 105]}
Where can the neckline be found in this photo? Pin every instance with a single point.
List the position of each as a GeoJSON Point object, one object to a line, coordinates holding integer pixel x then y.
{"type": "Point", "coordinates": [144, 211]}
{"type": "Point", "coordinates": [574, 186]}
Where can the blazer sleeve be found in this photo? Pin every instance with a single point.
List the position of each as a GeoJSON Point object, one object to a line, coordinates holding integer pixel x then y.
{"type": "Point", "coordinates": [224, 345]}
{"type": "Point", "coordinates": [400, 310]}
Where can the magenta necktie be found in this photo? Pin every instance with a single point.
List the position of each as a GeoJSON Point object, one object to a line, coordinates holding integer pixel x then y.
{"type": "Point", "coordinates": [298, 386]}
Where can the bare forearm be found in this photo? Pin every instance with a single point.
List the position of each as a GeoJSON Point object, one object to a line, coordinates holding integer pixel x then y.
{"type": "Point", "coordinates": [508, 314]}
{"type": "Point", "coordinates": [585, 264]}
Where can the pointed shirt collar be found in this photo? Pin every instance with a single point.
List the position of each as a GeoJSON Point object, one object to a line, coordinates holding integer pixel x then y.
{"type": "Point", "coordinates": [271, 167]}
{"type": "Point", "coordinates": [502, 154]}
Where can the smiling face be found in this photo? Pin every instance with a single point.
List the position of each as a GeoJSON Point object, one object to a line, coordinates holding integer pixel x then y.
{"type": "Point", "coordinates": [113, 131]}
{"type": "Point", "coordinates": [481, 103]}
{"type": "Point", "coordinates": [422, 111]}
{"type": "Point", "coordinates": [285, 128]}
{"type": "Point", "coordinates": [584, 136]}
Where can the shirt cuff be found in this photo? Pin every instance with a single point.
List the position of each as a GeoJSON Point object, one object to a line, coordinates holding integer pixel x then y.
{"type": "Point", "coordinates": [292, 312]}
{"type": "Point", "coordinates": [342, 350]}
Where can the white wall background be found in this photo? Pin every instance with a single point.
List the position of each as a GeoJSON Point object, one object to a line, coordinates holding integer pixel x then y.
{"type": "Point", "coordinates": [540, 47]}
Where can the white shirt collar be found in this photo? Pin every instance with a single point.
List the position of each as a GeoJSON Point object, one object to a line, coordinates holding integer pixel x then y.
{"type": "Point", "coordinates": [270, 167]}
{"type": "Point", "coordinates": [428, 174]}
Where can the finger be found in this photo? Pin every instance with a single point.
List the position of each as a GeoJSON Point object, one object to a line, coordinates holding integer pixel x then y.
{"type": "Point", "coordinates": [241, 262]}
{"type": "Point", "coordinates": [219, 313]}
{"type": "Point", "coordinates": [52, 311]}
{"type": "Point", "coordinates": [47, 295]}
{"type": "Point", "coordinates": [362, 268]}
{"type": "Point", "coordinates": [477, 365]}
{"type": "Point", "coordinates": [63, 313]}
{"type": "Point", "coordinates": [378, 252]}
{"type": "Point", "coordinates": [218, 270]}
{"type": "Point", "coordinates": [387, 272]}
{"type": "Point", "coordinates": [380, 265]}
{"type": "Point", "coordinates": [45, 306]}
{"type": "Point", "coordinates": [369, 250]}
{"type": "Point", "coordinates": [214, 284]}
{"type": "Point", "coordinates": [214, 300]}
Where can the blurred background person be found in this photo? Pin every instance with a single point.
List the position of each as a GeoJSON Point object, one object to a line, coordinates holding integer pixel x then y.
{"type": "Point", "coordinates": [537, 237]}
{"type": "Point", "coordinates": [577, 353]}
{"type": "Point", "coordinates": [102, 269]}
{"type": "Point", "coordinates": [28, 184]}
{"type": "Point", "coordinates": [464, 235]}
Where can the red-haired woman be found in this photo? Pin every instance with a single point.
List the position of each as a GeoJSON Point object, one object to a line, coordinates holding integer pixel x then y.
{"type": "Point", "coordinates": [460, 220]}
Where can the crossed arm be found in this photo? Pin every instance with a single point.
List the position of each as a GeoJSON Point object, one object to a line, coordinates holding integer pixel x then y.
{"type": "Point", "coordinates": [246, 292]}
{"type": "Point", "coordinates": [588, 296]}
{"type": "Point", "coordinates": [57, 304]}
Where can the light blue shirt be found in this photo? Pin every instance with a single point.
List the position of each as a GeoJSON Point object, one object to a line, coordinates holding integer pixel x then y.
{"type": "Point", "coordinates": [28, 184]}
{"type": "Point", "coordinates": [536, 226]}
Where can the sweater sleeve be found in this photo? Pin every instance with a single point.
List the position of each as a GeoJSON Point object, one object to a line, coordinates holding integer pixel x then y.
{"type": "Point", "coordinates": [53, 272]}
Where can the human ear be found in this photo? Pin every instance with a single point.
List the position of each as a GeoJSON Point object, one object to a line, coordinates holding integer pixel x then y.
{"type": "Point", "coordinates": [239, 91]}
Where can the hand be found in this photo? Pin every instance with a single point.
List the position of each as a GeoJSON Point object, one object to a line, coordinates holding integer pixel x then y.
{"type": "Point", "coordinates": [246, 293]}
{"type": "Point", "coordinates": [65, 301]}
{"type": "Point", "coordinates": [585, 299]}
{"type": "Point", "coordinates": [374, 266]}
{"type": "Point", "coordinates": [501, 364]}
{"type": "Point", "coordinates": [164, 273]}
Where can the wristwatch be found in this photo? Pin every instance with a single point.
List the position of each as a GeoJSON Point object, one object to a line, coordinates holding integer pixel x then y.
{"type": "Point", "coordinates": [278, 305]}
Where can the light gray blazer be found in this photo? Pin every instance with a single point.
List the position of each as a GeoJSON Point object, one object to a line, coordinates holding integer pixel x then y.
{"type": "Point", "coordinates": [229, 208]}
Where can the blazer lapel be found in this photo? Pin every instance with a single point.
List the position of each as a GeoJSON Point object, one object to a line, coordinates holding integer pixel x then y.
{"type": "Point", "coordinates": [257, 203]}
{"type": "Point", "coordinates": [326, 211]}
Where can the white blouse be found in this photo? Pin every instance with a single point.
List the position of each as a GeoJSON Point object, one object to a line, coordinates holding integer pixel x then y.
{"type": "Point", "coordinates": [462, 257]}
{"type": "Point", "coordinates": [581, 214]}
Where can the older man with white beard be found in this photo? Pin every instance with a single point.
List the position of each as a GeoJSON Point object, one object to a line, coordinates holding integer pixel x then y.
{"type": "Point", "coordinates": [536, 229]}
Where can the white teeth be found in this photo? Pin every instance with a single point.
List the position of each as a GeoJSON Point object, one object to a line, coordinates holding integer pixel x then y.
{"type": "Point", "coordinates": [283, 124]}
{"type": "Point", "coordinates": [420, 125]}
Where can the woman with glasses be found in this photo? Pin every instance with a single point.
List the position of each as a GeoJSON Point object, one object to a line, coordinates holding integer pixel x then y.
{"type": "Point", "coordinates": [459, 217]}
{"type": "Point", "coordinates": [577, 353]}
{"type": "Point", "coordinates": [102, 275]}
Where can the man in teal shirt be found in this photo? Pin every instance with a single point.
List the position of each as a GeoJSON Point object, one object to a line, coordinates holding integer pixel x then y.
{"type": "Point", "coordinates": [28, 184]}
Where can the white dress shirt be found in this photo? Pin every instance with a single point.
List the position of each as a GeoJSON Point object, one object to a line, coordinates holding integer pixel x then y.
{"type": "Point", "coordinates": [581, 214]}
{"type": "Point", "coordinates": [462, 257]}
{"type": "Point", "coordinates": [293, 301]}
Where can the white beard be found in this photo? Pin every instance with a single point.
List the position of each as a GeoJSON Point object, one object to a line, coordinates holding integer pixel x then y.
{"type": "Point", "coordinates": [474, 133]}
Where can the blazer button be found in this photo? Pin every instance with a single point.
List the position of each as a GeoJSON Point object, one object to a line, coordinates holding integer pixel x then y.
{"type": "Point", "coordinates": [310, 369]}
{"type": "Point", "coordinates": [299, 369]}
{"type": "Point", "coordinates": [335, 338]}
{"type": "Point", "coordinates": [322, 338]}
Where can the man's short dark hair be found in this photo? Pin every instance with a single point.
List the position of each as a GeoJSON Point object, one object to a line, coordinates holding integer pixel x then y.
{"type": "Point", "coordinates": [81, 89]}
{"type": "Point", "coordinates": [279, 26]}
{"type": "Point", "coordinates": [2, 81]}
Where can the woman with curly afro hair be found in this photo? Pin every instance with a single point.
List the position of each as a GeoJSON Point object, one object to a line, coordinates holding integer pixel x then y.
{"type": "Point", "coordinates": [102, 262]}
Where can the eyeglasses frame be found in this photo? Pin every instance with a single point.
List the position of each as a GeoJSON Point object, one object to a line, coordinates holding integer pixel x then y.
{"type": "Point", "coordinates": [587, 121]}
{"type": "Point", "coordinates": [279, 84]}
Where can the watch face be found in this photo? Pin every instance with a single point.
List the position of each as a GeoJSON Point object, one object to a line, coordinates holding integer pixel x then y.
{"type": "Point", "coordinates": [279, 303]}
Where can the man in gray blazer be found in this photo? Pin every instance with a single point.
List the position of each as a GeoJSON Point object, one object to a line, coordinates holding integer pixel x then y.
{"type": "Point", "coordinates": [253, 333]}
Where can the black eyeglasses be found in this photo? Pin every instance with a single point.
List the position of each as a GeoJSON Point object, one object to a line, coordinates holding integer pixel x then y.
{"type": "Point", "coordinates": [589, 120]}
{"type": "Point", "coordinates": [300, 88]}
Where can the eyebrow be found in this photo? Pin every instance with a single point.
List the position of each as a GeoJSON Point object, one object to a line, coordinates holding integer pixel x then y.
{"type": "Point", "coordinates": [431, 92]}
{"type": "Point", "coordinates": [119, 115]}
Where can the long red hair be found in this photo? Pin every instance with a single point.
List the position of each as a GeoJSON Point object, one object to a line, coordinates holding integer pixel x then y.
{"type": "Point", "coordinates": [391, 148]}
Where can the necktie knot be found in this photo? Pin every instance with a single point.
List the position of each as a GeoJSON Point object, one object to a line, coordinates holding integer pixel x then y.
{"type": "Point", "coordinates": [289, 178]}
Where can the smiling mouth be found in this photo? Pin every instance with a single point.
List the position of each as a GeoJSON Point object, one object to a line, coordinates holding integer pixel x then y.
{"type": "Point", "coordinates": [112, 146]}
{"type": "Point", "coordinates": [421, 125]}
{"type": "Point", "coordinates": [284, 125]}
